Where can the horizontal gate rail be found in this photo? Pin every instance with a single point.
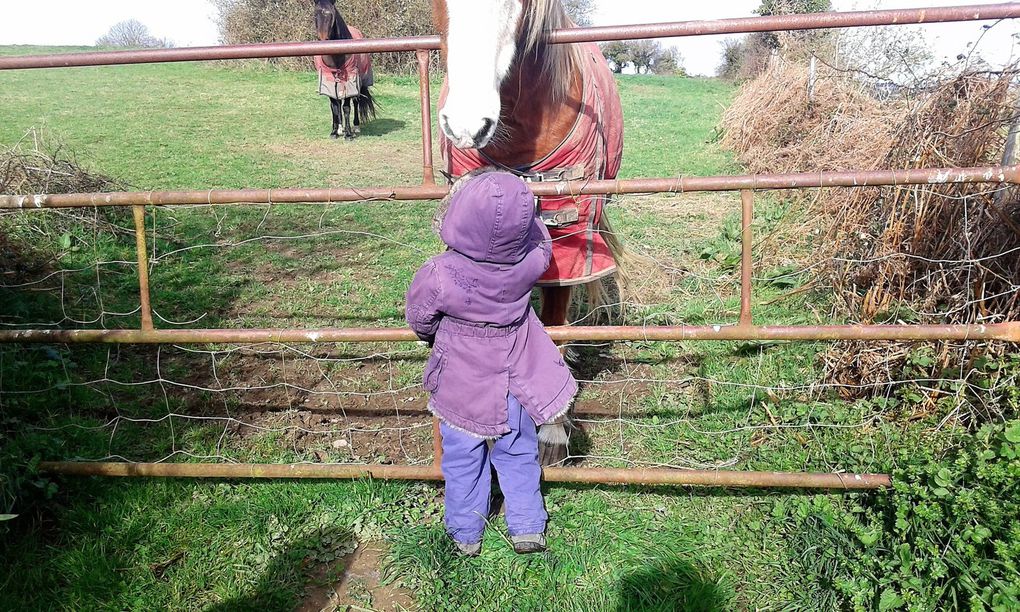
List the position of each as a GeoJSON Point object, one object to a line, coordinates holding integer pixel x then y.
{"type": "Point", "coordinates": [632, 476]}
{"type": "Point", "coordinates": [684, 184]}
{"type": "Point", "coordinates": [996, 331]}
{"type": "Point", "coordinates": [809, 21]}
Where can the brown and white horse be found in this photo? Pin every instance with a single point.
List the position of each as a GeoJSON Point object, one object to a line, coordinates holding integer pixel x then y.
{"type": "Point", "coordinates": [546, 112]}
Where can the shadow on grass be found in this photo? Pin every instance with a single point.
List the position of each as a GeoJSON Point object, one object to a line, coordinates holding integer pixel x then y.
{"type": "Point", "coordinates": [381, 126]}
{"type": "Point", "coordinates": [667, 582]}
{"type": "Point", "coordinates": [654, 577]}
{"type": "Point", "coordinates": [280, 586]}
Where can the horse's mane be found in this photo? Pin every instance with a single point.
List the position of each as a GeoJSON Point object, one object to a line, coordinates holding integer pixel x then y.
{"type": "Point", "coordinates": [557, 63]}
{"type": "Point", "coordinates": [342, 31]}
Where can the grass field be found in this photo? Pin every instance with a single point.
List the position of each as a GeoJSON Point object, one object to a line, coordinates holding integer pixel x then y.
{"type": "Point", "coordinates": [142, 545]}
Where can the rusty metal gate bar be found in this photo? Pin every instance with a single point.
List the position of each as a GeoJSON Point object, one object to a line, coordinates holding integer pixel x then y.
{"type": "Point", "coordinates": [407, 472]}
{"type": "Point", "coordinates": [428, 190]}
{"type": "Point", "coordinates": [1009, 332]}
{"type": "Point", "coordinates": [809, 21]}
{"type": "Point", "coordinates": [683, 184]}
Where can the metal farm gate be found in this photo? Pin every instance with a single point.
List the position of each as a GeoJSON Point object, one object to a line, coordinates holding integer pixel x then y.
{"type": "Point", "coordinates": [744, 329]}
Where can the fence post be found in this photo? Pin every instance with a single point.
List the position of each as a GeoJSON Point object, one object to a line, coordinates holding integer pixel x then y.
{"type": "Point", "coordinates": [812, 78]}
{"type": "Point", "coordinates": [428, 176]}
{"type": "Point", "coordinates": [746, 269]}
{"type": "Point", "coordinates": [143, 266]}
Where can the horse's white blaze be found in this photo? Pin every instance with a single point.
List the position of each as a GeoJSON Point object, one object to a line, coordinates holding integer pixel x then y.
{"type": "Point", "coordinates": [481, 43]}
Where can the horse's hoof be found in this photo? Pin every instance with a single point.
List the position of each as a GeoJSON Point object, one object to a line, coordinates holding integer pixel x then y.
{"type": "Point", "coordinates": [552, 455]}
{"type": "Point", "coordinates": [334, 135]}
{"type": "Point", "coordinates": [348, 138]}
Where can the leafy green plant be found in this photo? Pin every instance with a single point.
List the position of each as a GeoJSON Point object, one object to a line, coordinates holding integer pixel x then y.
{"type": "Point", "coordinates": [946, 536]}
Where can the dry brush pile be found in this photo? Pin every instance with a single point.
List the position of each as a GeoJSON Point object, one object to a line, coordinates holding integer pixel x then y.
{"type": "Point", "coordinates": [35, 166]}
{"type": "Point", "coordinates": [259, 21]}
{"type": "Point", "coordinates": [922, 254]}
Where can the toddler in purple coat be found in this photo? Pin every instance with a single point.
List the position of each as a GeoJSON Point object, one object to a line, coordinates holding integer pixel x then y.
{"type": "Point", "coordinates": [494, 373]}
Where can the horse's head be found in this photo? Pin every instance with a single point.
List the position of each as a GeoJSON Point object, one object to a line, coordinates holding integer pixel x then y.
{"type": "Point", "coordinates": [480, 40]}
{"type": "Point", "coordinates": [479, 44]}
{"type": "Point", "coordinates": [325, 15]}
{"type": "Point", "coordinates": [329, 23]}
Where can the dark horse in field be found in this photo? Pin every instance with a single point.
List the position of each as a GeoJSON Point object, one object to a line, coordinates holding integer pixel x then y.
{"type": "Point", "coordinates": [344, 79]}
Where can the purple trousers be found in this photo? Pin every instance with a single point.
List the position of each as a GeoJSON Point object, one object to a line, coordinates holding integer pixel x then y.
{"type": "Point", "coordinates": [466, 468]}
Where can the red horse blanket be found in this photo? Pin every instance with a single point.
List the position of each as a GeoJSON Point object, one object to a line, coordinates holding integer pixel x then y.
{"type": "Point", "coordinates": [592, 150]}
{"type": "Point", "coordinates": [346, 81]}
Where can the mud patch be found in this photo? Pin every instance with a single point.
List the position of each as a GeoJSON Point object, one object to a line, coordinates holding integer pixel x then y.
{"type": "Point", "coordinates": [385, 440]}
{"type": "Point", "coordinates": [360, 586]}
{"type": "Point", "coordinates": [323, 404]}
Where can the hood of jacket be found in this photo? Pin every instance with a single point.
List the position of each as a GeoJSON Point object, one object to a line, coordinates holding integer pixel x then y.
{"type": "Point", "coordinates": [489, 218]}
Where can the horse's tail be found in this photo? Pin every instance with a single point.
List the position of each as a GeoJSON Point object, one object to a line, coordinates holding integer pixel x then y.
{"type": "Point", "coordinates": [604, 297]}
{"type": "Point", "coordinates": [366, 104]}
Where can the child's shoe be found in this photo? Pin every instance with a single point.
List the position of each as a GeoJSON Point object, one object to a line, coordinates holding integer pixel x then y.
{"type": "Point", "coordinates": [528, 543]}
{"type": "Point", "coordinates": [468, 550]}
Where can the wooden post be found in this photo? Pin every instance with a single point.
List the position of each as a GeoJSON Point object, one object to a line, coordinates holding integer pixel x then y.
{"type": "Point", "coordinates": [143, 266]}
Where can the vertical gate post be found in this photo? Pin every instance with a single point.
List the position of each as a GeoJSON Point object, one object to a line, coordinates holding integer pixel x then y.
{"type": "Point", "coordinates": [428, 176]}
{"type": "Point", "coordinates": [143, 266]}
{"type": "Point", "coordinates": [746, 269]}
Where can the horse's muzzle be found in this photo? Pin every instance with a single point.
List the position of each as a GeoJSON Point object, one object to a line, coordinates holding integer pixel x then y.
{"type": "Point", "coordinates": [467, 133]}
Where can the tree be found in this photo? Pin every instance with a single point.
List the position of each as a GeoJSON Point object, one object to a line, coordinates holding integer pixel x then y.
{"type": "Point", "coordinates": [617, 53]}
{"type": "Point", "coordinates": [744, 58]}
{"type": "Point", "coordinates": [786, 7]}
{"type": "Point", "coordinates": [131, 33]}
{"type": "Point", "coordinates": [747, 57]}
{"type": "Point", "coordinates": [643, 54]}
{"type": "Point", "coordinates": [670, 63]}
{"type": "Point", "coordinates": [789, 7]}
{"type": "Point", "coordinates": [894, 54]}
{"type": "Point", "coordinates": [580, 11]}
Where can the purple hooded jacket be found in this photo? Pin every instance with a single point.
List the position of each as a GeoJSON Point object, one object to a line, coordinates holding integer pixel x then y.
{"type": "Point", "coordinates": [473, 304]}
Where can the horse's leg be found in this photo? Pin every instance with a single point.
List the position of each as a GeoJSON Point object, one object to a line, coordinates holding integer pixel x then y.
{"type": "Point", "coordinates": [348, 131]}
{"type": "Point", "coordinates": [334, 107]}
{"type": "Point", "coordinates": [555, 302]}
{"type": "Point", "coordinates": [343, 119]}
{"type": "Point", "coordinates": [554, 436]}
{"type": "Point", "coordinates": [357, 115]}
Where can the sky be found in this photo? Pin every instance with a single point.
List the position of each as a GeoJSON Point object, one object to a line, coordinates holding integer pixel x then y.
{"type": "Point", "coordinates": [702, 54]}
{"type": "Point", "coordinates": [191, 22]}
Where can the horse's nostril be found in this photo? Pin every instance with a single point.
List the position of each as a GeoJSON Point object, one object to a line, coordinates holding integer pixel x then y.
{"type": "Point", "coordinates": [484, 132]}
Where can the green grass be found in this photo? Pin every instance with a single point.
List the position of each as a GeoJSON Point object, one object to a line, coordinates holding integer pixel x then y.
{"type": "Point", "coordinates": [103, 544]}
